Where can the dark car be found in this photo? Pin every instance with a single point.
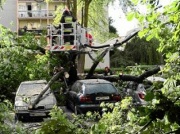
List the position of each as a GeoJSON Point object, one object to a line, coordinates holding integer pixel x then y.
{"type": "Point", "coordinates": [87, 95]}
{"type": "Point", "coordinates": [27, 92]}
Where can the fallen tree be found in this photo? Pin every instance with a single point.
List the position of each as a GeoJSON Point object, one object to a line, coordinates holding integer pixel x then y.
{"type": "Point", "coordinates": [51, 81]}
{"type": "Point", "coordinates": [138, 79]}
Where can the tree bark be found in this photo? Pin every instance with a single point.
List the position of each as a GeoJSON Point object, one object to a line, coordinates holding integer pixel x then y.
{"type": "Point", "coordinates": [138, 79]}
{"type": "Point", "coordinates": [74, 9]}
{"type": "Point", "coordinates": [81, 63]}
{"type": "Point", "coordinates": [51, 81]}
{"type": "Point", "coordinates": [93, 67]}
{"type": "Point", "coordinates": [69, 4]}
{"type": "Point", "coordinates": [81, 58]}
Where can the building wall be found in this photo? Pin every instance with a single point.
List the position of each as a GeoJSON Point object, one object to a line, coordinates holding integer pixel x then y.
{"type": "Point", "coordinates": [8, 14]}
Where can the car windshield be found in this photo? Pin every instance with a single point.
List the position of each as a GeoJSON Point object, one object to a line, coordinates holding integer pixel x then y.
{"type": "Point", "coordinates": [31, 89]}
{"type": "Point", "coordinates": [100, 88]}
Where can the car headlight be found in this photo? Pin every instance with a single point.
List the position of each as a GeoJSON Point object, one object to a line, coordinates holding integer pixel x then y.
{"type": "Point", "coordinates": [21, 108]}
{"type": "Point", "coordinates": [49, 106]}
{"type": "Point", "coordinates": [19, 103]}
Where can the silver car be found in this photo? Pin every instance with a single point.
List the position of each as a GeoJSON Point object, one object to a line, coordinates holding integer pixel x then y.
{"type": "Point", "coordinates": [27, 92]}
{"type": "Point", "coordinates": [137, 91]}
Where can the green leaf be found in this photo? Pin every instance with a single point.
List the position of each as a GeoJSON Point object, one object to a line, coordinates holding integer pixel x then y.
{"type": "Point", "coordinates": [143, 33]}
{"type": "Point", "coordinates": [135, 2]}
{"type": "Point", "coordinates": [149, 96]}
{"type": "Point", "coordinates": [130, 16]}
{"type": "Point", "coordinates": [149, 37]}
{"type": "Point", "coordinates": [141, 19]}
{"type": "Point", "coordinates": [130, 115]}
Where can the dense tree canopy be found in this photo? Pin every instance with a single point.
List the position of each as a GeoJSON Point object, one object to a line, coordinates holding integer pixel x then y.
{"type": "Point", "coordinates": [137, 51]}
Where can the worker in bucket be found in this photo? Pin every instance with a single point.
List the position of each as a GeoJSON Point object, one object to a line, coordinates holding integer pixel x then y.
{"type": "Point", "coordinates": [67, 18]}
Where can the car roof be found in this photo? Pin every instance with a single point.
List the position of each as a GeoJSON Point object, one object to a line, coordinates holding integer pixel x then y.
{"type": "Point", "coordinates": [35, 82]}
{"type": "Point", "coordinates": [93, 81]}
{"type": "Point", "coordinates": [31, 86]}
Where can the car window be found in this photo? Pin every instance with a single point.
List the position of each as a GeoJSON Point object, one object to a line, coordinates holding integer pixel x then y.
{"type": "Point", "coordinates": [30, 89]}
{"type": "Point", "coordinates": [81, 91]}
{"type": "Point", "coordinates": [99, 88]}
{"type": "Point", "coordinates": [76, 87]}
{"type": "Point", "coordinates": [73, 86]}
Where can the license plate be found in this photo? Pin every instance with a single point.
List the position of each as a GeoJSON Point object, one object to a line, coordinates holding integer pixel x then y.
{"type": "Point", "coordinates": [37, 114]}
{"type": "Point", "coordinates": [102, 98]}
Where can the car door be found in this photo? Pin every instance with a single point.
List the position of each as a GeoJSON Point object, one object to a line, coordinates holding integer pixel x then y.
{"type": "Point", "coordinates": [72, 94]}
{"type": "Point", "coordinates": [75, 92]}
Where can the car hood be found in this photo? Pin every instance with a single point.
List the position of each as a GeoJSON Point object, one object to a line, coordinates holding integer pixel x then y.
{"type": "Point", "coordinates": [44, 100]}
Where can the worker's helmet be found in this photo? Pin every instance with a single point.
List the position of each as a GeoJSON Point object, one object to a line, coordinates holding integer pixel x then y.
{"type": "Point", "coordinates": [66, 12]}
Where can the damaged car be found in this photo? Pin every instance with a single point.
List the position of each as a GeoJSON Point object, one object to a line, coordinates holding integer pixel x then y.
{"type": "Point", "coordinates": [27, 93]}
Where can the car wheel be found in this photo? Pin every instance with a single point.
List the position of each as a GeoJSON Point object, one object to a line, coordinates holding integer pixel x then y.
{"type": "Point", "coordinates": [18, 118]}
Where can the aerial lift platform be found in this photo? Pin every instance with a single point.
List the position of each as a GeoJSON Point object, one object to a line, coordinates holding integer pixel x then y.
{"type": "Point", "coordinates": [79, 35]}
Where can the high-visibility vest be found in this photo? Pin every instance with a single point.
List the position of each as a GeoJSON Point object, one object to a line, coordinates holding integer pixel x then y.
{"type": "Point", "coordinates": [68, 27]}
{"type": "Point", "coordinates": [68, 19]}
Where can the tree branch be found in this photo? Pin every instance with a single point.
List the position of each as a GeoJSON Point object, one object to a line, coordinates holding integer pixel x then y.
{"type": "Point", "coordinates": [38, 48]}
{"type": "Point", "coordinates": [51, 81]}
{"type": "Point", "coordinates": [145, 126]}
{"type": "Point", "coordinates": [140, 78]}
{"type": "Point", "coordinates": [116, 78]}
{"type": "Point", "coordinates": [93, 67]}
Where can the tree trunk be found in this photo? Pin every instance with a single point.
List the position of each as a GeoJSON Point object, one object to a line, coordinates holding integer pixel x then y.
{"type": "Point", "coordinates": [96, 62]}
{"type": "Point", "coordinates": [82, 17]}
{"type": "Point", "coordinates": [86, 12]}
{"type": "Point", "coordinates": [138, 79]}
{"type": "Point", "coordinates": [69, 4]}
{"type": "Point", "coordinates": [81, 58]}
{"type": "Point", "coordinates": [81, 63]}
{"type": "Point", "coordinates": [51, 81]}
{"type": "Point", "coordinates": [74, 8]}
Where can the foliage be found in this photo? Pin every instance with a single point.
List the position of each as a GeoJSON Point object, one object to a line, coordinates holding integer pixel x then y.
{"type": "Point", "coordinates": [161, 114]}
{"type": "Point", "coordinates": [1, 3]}
{"type": "Point", "coordinates": [22, 58]}
{"type": "Point", "coordinates": [121, 120]}
{"type": "Point", "coordinates": [112, 29]}
{"type": "Point", "coordinates": [4, 107]}
{"type": "Point", "coordinates": [162, 24]}
{"type": "Point", "coordinates": [59, 124]}
{"type": "Point", "coordinates": [97, 17]}
{"type": "Point", "coordinates": [137, 51]}
{"type": "Point", "coordinates": [98, 20]}
{"type": "Point", "coordinates": [7, 124]}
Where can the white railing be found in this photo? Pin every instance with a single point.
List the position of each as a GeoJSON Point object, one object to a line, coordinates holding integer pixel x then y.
{"type": "Point", "coordinates": [36, 13]}
{"type": "Point", "coordinates": [57, 36]}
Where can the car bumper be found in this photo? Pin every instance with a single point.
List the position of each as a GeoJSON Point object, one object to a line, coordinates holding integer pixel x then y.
{"type": "Point", "coordinates": [89, 107]}
{"type": "Point", "coordinates": [142, 103]}
{"type": "Point", "coordinates": [33, 113]}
